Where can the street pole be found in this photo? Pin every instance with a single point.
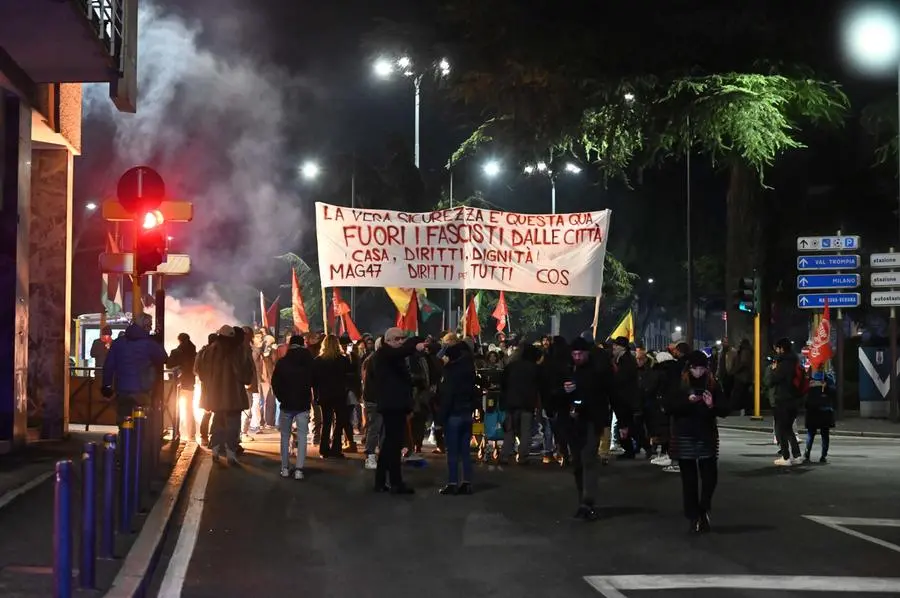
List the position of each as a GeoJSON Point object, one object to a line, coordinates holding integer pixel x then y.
{"type": "Point", "coordinates": [137, 306]}
{"type": "Point", "coordinates": [690, 247]}
{"type": "Point", "coordinates": [555, 318]}
{"type": "Point", "coordinates": [757, 366]}
{"type": "Point", "coordinates": [450, 325]}
{"type": "Point", "coordinates": [895, 406]}
{"type": "Point", "coordinates": [552, 194]}
{"type": "Point", "coordinates": [839, 408]}
{"type": "Point", "coordinates": [353, 205]}
{"type": "Point", "coordinates": [418, 85]}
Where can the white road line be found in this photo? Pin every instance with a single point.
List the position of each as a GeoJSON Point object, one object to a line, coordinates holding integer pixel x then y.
{"type": "Point", "coordinates": [16, 492]}
{"type": "Point", "coordinates": [610, 586]}
{"type": "Point", "coordinates": [173, 582]}
{"type": "Point", "coordinates": [838, 523]}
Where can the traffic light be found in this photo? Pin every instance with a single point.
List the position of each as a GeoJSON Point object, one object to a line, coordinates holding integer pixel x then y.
{"type": "Point", "coordinates": [747, 295]}
{"type": "Point", "coordinates": [150, 245]}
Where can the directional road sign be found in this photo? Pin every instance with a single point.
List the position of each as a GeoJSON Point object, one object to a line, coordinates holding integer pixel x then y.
{"type": "Point", "coordinates": [176, 264]}
{"type": "Point", "coordinates": [885, 299]}
{"type": "Point", "coordinates": [817, 300]}
{"type": "Point", "coordinates": [828, 281]}
{"type": "Point", "coordinates": [828, 262]}
{"type": "Point", "coordinates": [885, 260]}
{"type": "Point", "coordinates": [886, 279]}
{"type": "Point", "coordinates": [830, 243]}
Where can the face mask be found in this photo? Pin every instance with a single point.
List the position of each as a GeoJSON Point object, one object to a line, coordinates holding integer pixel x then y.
{"type": "Point", "coordinates": [698, 372]}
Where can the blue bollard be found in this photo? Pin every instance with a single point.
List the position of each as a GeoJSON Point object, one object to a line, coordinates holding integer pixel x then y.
{"type": "Point", "coordinates": [87, 572]}
{"type": "Point", "coordinates": [108, 535]}
{"type": "Point", "coordinates": [62, 531]}
{"type": "Point", "coordinates": [126, 446]}
{"type": "Point", "coordinates": [140, 465]}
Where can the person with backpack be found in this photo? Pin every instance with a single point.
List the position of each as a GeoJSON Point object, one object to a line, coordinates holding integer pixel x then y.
{"type": "Point", "coordinates": [788, 386]}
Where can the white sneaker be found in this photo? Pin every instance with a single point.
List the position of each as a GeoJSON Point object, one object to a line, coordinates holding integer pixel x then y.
{"type": "Point", "coordinates": [798, 460]}
{"type": "Point", "coordinates": [415, 457]}
{"type": "Point", "coordinates": [782, 462]}
{"type": "Point", "coordinates": [371, 461]}
{"type": "Point", "coordinates": [663, 461]}
{"type": "Point", "coordinates": [672, 469]}
{"type": "Point", "coordinates": [298, 474]}
{"type": "Point", "coordinates": [285, 472]}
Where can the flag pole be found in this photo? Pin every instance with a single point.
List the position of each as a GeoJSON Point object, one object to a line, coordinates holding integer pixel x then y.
{"type": "Point", "coordinates": [324, 311]}
{"type": "Point", "coordinates": [596, 316]}
{"type": "Point", "coordinates": [465, 309]}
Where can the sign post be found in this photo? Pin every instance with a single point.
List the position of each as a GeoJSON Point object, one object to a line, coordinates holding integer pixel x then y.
{"type": "Point", "coordinates": [890, 299]}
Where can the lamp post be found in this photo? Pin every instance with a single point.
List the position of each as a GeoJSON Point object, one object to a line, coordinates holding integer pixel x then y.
{"type": "Point", "coordinates": [386, 67]}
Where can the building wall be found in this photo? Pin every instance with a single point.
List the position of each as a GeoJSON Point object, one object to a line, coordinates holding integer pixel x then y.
{"type": "Point", "coordinates": [70, 114]}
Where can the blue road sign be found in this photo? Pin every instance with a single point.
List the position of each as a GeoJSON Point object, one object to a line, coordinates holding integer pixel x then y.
{"type": "Point", "coordinates": [828, 281]}
{"type": "Point", "coordinates": [828, 262]}
{"type": "Point", "coordinates": [817, 300]}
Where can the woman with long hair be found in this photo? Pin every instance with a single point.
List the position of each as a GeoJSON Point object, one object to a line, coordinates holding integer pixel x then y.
{"type": "Point", "coordinates": [694, 406]}
{"type": "Point", "coordinates": [331, 371]}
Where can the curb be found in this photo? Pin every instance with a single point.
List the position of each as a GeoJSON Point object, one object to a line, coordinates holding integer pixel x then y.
{"type": "Point", "coordinates": [141, 558]}
{"type": "Point", "coordinates": [834, 432]}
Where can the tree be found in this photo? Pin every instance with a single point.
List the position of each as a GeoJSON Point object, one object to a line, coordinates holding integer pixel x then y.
{"type": "Point", "coordinates": [310, 288]}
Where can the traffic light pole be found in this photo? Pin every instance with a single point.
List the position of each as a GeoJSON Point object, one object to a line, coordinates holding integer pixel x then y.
{"type": "Point", "coordinates": [137, 305]}
{"type": "Point", "coordinates": [757, 367]}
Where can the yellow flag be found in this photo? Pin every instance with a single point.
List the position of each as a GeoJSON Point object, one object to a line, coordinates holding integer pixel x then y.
{"type": "Point", "coordinates": [625, 328]}
{"type": "Point", "coordinates": [402, 296]}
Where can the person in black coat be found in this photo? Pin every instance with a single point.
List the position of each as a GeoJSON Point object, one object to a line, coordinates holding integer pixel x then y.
{"type": "Point", "coordinates": [390, 384]}
{"type": "Point", "coordinates": [520, 384]}
{"type": "Point", "coordinates": [819, 414]}
{"type": "Point", "coordinates": [292, 383]}
{"type": "Point", "coordinates": [694, 407]}
{"type": "Point", "coordinates": [330, 382]}
{"type": "Point", "coordinates": [590, 398]}
{"type": "Point", "coordinates": [458, 394]}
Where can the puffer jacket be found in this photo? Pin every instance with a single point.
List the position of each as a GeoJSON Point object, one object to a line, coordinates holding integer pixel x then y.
{"type": "Point", "coordinates": [131, 362]}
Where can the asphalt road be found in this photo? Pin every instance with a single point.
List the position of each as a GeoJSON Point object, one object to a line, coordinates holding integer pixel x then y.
{"type": "Point", "coordinates": [330, 536]}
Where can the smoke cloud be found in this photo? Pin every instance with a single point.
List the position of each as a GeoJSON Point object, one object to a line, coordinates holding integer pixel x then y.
{"type": "Point", "coordinates": [216, 124]}
{"type": "Point", "coordinates": [198, 316]}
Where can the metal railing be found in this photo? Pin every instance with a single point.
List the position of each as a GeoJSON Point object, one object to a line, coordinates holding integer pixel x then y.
{"type": "Point", "coordinates": [107, 20]}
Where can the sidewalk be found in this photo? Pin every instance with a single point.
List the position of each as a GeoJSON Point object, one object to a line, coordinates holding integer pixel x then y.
{"type": "Point", "coordinates": [849, 426]}
{"type": "Point", "coordinates": [26, 516]}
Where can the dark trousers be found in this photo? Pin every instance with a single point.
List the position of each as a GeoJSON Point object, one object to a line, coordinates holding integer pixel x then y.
{"type": "Point", "coordinates": [226, 429]}
{"type": "Point", "coordinates": [417, 420]}
{"type": "Point", "coordinates": [561, 426]}
{"type": "Point", "coordinates": [698, 482]}
{"type": "Point", "coordinates": [585, 441]}
{"type": "Point", "coordinates": [204, 424]}
{"type": "Point", "coordinates": [784, 431]}
{"type": "Point", "coordinates": [391, 447]}
{"type": "Point", "coordinates": [330, 440]}
{"type": "Point", "coordinates": [811, 438]}
{"type": "Point", "coordinates": [347, 425]}
{"type": "Point", "coordinates": [459, 454]}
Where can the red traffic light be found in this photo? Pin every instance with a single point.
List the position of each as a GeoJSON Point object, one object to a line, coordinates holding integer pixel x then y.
{"type": "Point", "coordinates": [152, 220]}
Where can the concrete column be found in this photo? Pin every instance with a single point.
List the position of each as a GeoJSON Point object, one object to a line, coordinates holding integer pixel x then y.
{"type": "Point", "coordinates": [50, 289]}
{"type": "Point", "coordinates": [15, 194]}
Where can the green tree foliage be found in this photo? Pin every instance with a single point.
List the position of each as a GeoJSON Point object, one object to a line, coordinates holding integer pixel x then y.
{"type": "Point", "coordinates": [310, 288]}
{"type": "Point", "coordinates": [880, 119]}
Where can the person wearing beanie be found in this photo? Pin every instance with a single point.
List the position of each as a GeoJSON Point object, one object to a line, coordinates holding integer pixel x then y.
{"type": "Point", "coordinates": [783, 379]}
{"type": "Point", "coordinates": [695, 437]}
{"type": "Point", "coordinates": [625, 381]}
{"type": "Point", "coordinates": [589, 398]}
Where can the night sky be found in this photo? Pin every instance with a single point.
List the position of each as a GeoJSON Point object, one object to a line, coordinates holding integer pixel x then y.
{"type": "Point", "coordinates": [312, 56]}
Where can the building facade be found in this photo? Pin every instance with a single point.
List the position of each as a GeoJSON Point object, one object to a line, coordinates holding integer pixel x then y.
{"type": "Point", "coordinates": [48, 48]}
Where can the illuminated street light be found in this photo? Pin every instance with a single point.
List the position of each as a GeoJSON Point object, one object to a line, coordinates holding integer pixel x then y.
{"type": "Point", "coordinates": [649, 281]}
{"type": "Point", "coordinates": [573, 168]}
{"type": "Point", "coordinates": [678, 329]}
{"type": "Point", "coordinates": [310, 170]}
{"type": "Point", "coordinates": [90, 206]}
{"type": "Point", "coordinates": [444, 65]}
{"type": "Point", "coordinates": [871, 38]}
{"type": "Point", "coordinates": [492, 168]}
{"type": "Point", "coordinates": [404, 62]}
{"type": "Point", "coordinates": [542, 166]}
{"type": "Point", "coordinates": [383, 68]}
{"type": "Point", "coordinates": [529, 169]}
{"type": "Point", "coordinates": [629, 97]}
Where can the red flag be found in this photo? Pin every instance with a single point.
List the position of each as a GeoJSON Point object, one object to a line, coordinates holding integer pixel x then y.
{"type": "Point", "coordinates": [301, 322]}
{"type": "Point", "coordinates": [501, 312]}
{"type": "Point", "coordinates": [270, 320]}
{"type": "Point", "coordinates": [350, 328]}
{"type": "Point", "coordinates": [339, 306]}
{"type": "Point", "coordinates": [473, 328]}
{"type": "Point", "coordinates": [410, 321]}
{"type": "Point", "coordinates": [820, 349]}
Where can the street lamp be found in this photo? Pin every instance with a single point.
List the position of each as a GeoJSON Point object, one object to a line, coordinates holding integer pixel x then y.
{"type": "Point", "coordinates": [310, 170]}
{"type": "Point", "coordinates": [492, 168]}
{"type": "Point", "coordinates": [542, 168]}
{"type": "Point", "coordinates": [90, 206]}
{"type": "Point", "coordinates": [649, 281]}
{"type": "Point", "coordinates": [871, 40]}
{"type": "Point", "coordinates": [678, 329]}
{"type": "Point", "coordinates": [385, 67]}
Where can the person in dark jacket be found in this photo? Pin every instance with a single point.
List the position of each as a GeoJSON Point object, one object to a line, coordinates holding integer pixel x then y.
{"type": "Point", "coordinates": [554, 370]}
{"type": "Point", "coordinates": [627, 389]}
{"type": "Point", "coordinates": [100, 347]}
{"type": "Point", "coordinates": [695, 437]}
{"type": "Point", "coordinates": [521, 383]}
{"type": "Point", "coordinates": [198, 366]}
{"type": "Point", "coordinates": [292, 382]}
{"type": "Point", "coordinates": [330, 383]}
{"type": "Point", "coordinates": [786, 400]}
{"type": "Point", "coordinates": [181, 361]}
{"type": "Point", "coordinates": [457, 402]}
{"type": "Point", "coordinates": [819, 413]}
{"type": "Point", "coordinates": [130, 367]}
{"type": "Point", "coordinates": [590, 398]}
{"type": "Point", "coordinates": [390, 385]}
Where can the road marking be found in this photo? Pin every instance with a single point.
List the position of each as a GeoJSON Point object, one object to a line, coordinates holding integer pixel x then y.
{"type": "Point", "coordinates": [610, 586]}
{"type": "Point", "coordinates": [17, 492]}
{"type": "Point", "coordinates": [840, 524]}
{"type": "Point", "coordinates": [173, 582]}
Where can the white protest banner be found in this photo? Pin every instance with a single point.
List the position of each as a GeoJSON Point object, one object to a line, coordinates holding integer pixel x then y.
{"type": "Point", "coordinates": [550, 254]}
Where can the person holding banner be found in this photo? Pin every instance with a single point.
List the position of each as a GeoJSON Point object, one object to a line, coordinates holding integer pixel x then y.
{"type": "Point", "coordinates": [391, 385]}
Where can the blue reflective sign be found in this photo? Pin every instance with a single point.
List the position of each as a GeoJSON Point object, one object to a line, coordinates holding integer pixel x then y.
{"type": "Point", "coordinates": [828, 281]}
{"type": "Point", "coordinates": [817, 300]}
{"type": "Point", "coordinates": [828, 262]}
